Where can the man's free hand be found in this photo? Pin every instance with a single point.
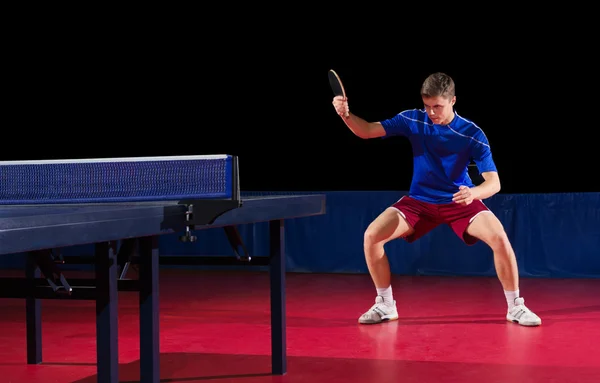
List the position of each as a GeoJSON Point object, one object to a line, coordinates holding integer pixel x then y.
{"type": "Point", "coordinates": [463, 196]}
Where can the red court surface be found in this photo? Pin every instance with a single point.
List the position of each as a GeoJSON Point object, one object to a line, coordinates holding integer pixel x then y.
{"type": "Point", "coordinates": [215, 327]}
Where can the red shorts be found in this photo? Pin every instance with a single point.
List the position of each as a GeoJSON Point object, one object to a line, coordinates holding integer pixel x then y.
{"type": "Point", "coordinates": [424, 217]}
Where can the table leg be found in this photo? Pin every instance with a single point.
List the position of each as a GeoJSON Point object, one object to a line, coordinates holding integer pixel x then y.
{"type": "Point", "coordinates": [106, 313]}
{"type": "Point", "coordinates": [33, 315]}
{"type": "Point", "coordinates": [149, 311]}
{"type": "Point", "coordinates": [277, 280]}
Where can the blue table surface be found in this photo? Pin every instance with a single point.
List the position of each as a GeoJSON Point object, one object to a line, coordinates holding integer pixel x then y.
{"type": "Point", "coordinates": [24, 228]}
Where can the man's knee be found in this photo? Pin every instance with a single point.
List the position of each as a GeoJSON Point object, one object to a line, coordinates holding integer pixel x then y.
{"type": "Point", "coordinates": [372, 236]}
{"type": "Point", "coordinates": [488, 228]}
{"type": "Point", "coordinates": [386, 227]}
{"type": "Point", "coordinates": [373, 243]}
{"type": "Point", "coordinates": [498, 240]}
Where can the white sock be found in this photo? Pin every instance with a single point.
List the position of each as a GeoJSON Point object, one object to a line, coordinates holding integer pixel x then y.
{"type": "Point", "coordinates": [510, 297]}
{"type": "Point", "coordinates": [386, 294]}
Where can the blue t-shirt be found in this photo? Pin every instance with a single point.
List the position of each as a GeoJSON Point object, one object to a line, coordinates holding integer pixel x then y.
{"type": "Point", "coordinates": [441, 153]}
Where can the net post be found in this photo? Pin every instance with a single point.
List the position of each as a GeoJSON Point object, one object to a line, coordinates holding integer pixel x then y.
{"type": "Point", "coordinates": [235, 179]}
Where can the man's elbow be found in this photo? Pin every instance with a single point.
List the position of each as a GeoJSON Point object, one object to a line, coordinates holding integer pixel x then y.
{"type": "Point", "coordinates": [370, 130]}
{"type": "Point", "coordinates": [363, 135]}
{"type": "Point", "coordinates": [493, 182]}
{"type": "Point", "coordinates": [497, 187]}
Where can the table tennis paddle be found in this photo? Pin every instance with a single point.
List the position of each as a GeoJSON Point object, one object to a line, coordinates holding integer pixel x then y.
{"type": "Point", "coordinates": [336, 85]}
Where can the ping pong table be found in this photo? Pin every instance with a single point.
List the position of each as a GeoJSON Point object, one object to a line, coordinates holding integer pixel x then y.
{"type": "Point", "coordinates": [37, 221]}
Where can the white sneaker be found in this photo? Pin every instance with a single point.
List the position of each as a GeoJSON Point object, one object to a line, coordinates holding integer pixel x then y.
{"type": "Point", "coordinates": [379, 312]}
{"type": "Point", "coordinates": [522, 315]}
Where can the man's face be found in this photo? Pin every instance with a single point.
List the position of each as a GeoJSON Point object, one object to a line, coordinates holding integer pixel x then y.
{"type": "Point", "coordinates": [439, 109]}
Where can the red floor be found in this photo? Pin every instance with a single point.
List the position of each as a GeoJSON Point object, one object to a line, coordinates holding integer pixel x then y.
{"type": "Point", "coordinates": [215, 327]}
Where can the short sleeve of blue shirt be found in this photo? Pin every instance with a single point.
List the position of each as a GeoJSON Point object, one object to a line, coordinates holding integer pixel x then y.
{"type": "Point", "coordinates": [399, 125]}
{"type": "Point", "coordinates": [482, 154]}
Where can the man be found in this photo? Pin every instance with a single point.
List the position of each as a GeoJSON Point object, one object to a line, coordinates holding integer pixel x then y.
{"type": "Point", "coordinates": [441, 192]}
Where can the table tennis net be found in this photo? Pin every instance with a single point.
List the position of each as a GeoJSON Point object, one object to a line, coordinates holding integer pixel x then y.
{"type": "Point", "coordinates": [117, 180]}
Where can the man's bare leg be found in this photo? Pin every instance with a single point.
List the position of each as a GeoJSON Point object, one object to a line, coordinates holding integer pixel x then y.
{"type": "Point", "coordinates": [387, 226]}
{"type": "Point", "coordinates": [489, 229]}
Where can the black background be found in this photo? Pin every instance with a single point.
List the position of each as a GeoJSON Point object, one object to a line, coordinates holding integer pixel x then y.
{"type": "Point", "coordinates": [264, 95]}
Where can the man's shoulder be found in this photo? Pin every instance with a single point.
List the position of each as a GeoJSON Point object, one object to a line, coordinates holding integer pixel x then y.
{"type": "Point", "coordinates": [417, 115]}
{"type": "Point", "coordinates": [461, 122]}
{"type": "Point", "coordinates": [408, 120]}
{"type": "Point", "coordinates": [468, 128]}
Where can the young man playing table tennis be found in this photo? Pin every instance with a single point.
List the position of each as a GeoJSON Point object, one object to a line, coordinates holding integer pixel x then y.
{"type": "Point", "coordinates": [441, 192]}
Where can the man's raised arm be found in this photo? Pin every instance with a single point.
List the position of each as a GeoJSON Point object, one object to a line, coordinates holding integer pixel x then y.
{"type": "Point", "coordinates": [357, 125]}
